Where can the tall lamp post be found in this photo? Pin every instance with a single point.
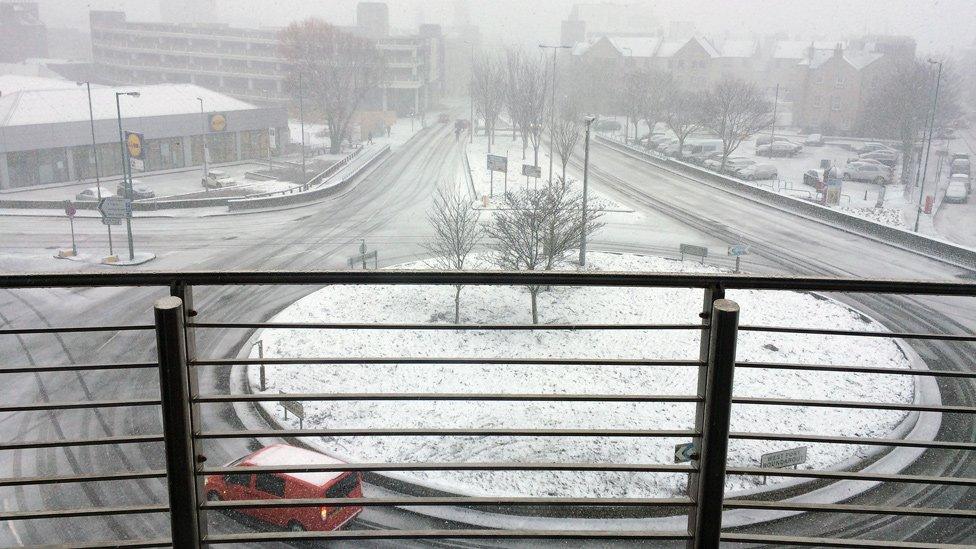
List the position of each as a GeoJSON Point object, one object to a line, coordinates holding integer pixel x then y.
{"type": "Point", "coordinates": [586, 173]}
{"type": "Point", "coordinates": [203, 138]}
{"type": "Point", "coordinates": [301, 120]}
{"type": "Point", "coordinates": [552, 106]}
{"type": "Point", "coordinates": [471, 93]}
{"type": "Point", "coordinates": [928, 146]}
{"type": "Point", "coordinates": [126, 169]}
{"type": "Point", "coordinates": [98, 179]}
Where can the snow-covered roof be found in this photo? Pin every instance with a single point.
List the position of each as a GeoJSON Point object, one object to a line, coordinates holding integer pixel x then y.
{"type": "Point", "coordinates": [12, 83]}
{"type": "Point", "coordinates": [739, 48]}
{"type": "Point", "coordinates": [70, 103]}
{"type": "Point", "coordinates": [856, 58]}
{"type": "Point", "coordinates": [636, 46]}
{"type": "Point", "coordinates": [799, 49]}
{"type": "Point", "coordinates": [283, 454]}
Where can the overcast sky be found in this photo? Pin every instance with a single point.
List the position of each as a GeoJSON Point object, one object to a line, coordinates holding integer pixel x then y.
{"type": "Point", "coordinates": [937, 25]}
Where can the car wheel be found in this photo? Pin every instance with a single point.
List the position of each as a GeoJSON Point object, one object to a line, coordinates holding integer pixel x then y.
{"type": "Point", "coordinates": [880, 181]}
{"type": "Point", "coordinates": [213, 496]}
{"type": "Point", "coordinates": [847, 176]}
{"type": "Point", "coordinates": [296, 526]}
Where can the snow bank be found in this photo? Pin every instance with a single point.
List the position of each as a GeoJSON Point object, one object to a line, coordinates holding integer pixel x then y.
{"type": "Point", "coordinates": [483, 304]}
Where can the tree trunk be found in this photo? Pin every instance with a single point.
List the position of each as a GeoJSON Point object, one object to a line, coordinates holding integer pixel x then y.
{"type": "Point", "coordinates": [335, 143]}
{"type": "Point", "coordinates": [457, 304]}
{"type": "Point", "coordinates": [534, 292]}
{"type": "Point", "coordinates": [535, 158]}
{"type": "Point", "coordinates": [564, 161]}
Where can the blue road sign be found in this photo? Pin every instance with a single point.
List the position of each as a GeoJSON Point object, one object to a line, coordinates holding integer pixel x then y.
{"type": "Point", "coordinates": [685, 452]}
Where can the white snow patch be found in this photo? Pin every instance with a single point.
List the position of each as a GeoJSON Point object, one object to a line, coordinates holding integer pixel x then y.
{"type": "Point", "coordinates": [483, 304]}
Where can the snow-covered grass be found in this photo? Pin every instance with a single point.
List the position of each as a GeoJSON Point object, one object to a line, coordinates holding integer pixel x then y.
{"type": "Point", "coordinates": [483, 304]}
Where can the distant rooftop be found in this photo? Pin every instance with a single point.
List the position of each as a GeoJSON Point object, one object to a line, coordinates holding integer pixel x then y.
{"type": "Point", "coordinates": [12, 83]}
{"type": "Point", "coordinates": [69, 103]}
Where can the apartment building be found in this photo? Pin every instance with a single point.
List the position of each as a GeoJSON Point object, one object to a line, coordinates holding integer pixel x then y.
{"type": "Point", "coordinates": [244, 63]}
{"type": "Point", "coordinates": [22, 34]}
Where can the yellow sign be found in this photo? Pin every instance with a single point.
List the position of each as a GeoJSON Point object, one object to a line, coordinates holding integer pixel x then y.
{"type": "Point", "coordinates": [218, 122]}
{"type": "Point", "coordinates": [134, 143]}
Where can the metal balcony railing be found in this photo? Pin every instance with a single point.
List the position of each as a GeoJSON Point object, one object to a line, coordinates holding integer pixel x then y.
{"type": "Point", "coordinates": [186, 434]}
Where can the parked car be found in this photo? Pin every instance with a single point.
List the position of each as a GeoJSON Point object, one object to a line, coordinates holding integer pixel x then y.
{"type": "Point", "coordinates": [779, 148]}
{"type": "Point", "coordinates": [888, 158]}
{"type": "Point", "coordinates": [814, 140]}
{"type": "Point", "coordinates": [767, 139]}
{"type": "Point", "coordinates": [217, 179]}
{"type": "Point", "coordinates": [91, 194]}
{"type": "Point", "coordinates": [607, 125]}
{"type": "Point", "coordinates": [956, 192]}
{"type": "Point", "coordinates": [139, 191]}
{"type": "Point", "coordinates": [734, 164]}
{"type": "Point", "coordinates": [958, 156]}
{"type": "Point", "coordinates": [758, 172]}
{"type": "Point", "coordinates": [964, 179]}
{"type": "Point", "coordinates": [960, 166]}
{"type": "Point", "coordinates": [297, 485]}
{"type": "Point", "coordinates": [864, 171]}
{"type": "Point", "coordinates": [871, 161]}
{"type": "Point", "coordinates": [658, 139]}
{"type": "Point", "coordinates": [861, 148]}
{"type": "Point", "coordinates": [814, 178]}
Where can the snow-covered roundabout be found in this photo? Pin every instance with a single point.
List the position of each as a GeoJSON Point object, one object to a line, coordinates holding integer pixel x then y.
{"type": "Point", "coordinates": [507, 305]}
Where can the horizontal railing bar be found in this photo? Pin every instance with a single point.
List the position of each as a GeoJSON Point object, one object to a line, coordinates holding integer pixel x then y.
{"type": "Point", "coordinates": [867, 441]}
{"type": "Point", "coordinates": [851, 475]}
{"type": "Point", "coordinates": [514, 397]}
{"type": "Point", "coordinates": [489, 278]}
{"type": "Point", "coordinates": [90, 477]}
{"type": "Point", "coordinates": [128, 439]}
{"type": "Point", "coordinates": [826, 331]}
{"type": "Point", "coordinates": [467, 327]}
{"type": "Point", "coordinates": [856, 543]}
{"type": "Point", "coordinates": [446, 360]}
{"type": "Point", "coordinates": [434, 431]}
{"type": "Point", "coordinates": [848, 508]}
{"type": "Point", "coordinates": [349, 535]}
{"type": "Point", "coordinates": [74, 329]}
{"type": "Point", "coordinates": [79, 405]}
{"type": "Point", "coordinates": [855, 369]}
{"type": "Point", "coordinates": [88, 512]}
{"type": "Point", "coordinates": [854, 404]}
{"type": "Point", "coordinates": [449, 501]}
{"type": "Point", "coordinates": [127, 543]}
{"type": "Point", "coordinates": [78, 368]}
{"type": "Point", "coordinates": [455, 466]}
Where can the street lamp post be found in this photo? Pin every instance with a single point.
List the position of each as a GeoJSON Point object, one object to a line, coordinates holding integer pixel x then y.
{"type": "Point", "coordinates": [126, 169]}
{"type": "Point", "coordinates": [586, 173]}
{"type": "Point", "coordinates": [552, 105]}
{"type": "Point", "coordinates": [98, 179]}
{"type": "Point", "coordinates": [471, 95]}
{"type": "Point", "coordinates": [301, 120]}
{"type": "Point", "coordinates": [203, 138]}
{"type": "Point", "coordinates": [928, 146]}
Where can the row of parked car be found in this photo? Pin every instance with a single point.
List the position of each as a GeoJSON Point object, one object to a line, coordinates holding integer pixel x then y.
{"type": "Point", "coordinates": [874, 163]}
{"type": "Point", "coordinates": [707, 152]}
{"type": "Point", "coordinates": [960, 178]}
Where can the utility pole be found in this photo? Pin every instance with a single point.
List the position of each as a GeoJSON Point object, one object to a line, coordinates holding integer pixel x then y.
{"type": "Point", "coordinates": [552, 106]}
{"type": "Point", "coordinates": [471, 96]}
{"type": "Point", "coordinates": [928, 146]}
{"type": "Point", "coordinates": [126, 168]}
{"type": "Point", "coordinates": [586, 173]}
{"type": "Point", "coordinates": [772, 127]}
{"type": "Point", "coordinates": [203, 138]}
{"type": "Point", "coordinates": [301, 120]}
{"type": "Point", "coordinates": [98, 179]}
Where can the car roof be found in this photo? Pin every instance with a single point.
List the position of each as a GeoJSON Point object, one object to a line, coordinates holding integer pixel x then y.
{"type": "Point", "coordinates": [285, 454]}
{"type": "Point", "coordinates": [957, 184]}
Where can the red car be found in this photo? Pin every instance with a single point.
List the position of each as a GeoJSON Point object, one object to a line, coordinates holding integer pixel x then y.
{"type": "Point", "coordinates": [244, 486]}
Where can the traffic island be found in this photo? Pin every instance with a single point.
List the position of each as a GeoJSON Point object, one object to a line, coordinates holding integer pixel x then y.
{"type": "Point", "coordinates": [112, 260]}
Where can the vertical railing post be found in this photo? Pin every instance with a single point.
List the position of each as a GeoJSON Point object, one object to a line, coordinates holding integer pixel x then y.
{"type": "Point", "coordinates": [177, 425]}
{"type": "Point", "coordinates": [712, 294]}
{"type": "Point", "coordinates": [715, 434]}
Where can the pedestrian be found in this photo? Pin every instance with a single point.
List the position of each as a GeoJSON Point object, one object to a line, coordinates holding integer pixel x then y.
{"type": "Point", "coordinates": [370, 137]}
{"type": "Point", "coordinates": [388, 130]}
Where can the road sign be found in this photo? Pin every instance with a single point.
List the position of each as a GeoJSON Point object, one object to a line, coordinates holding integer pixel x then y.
{"type": "Point", "coordinates": [784, 458]}
{"type": "Point", "coordinates": [69, 209]}
{"type": "Point", "coordinates": [218, 122]}
{"type": "Point", "coordinates": [529, 170]}
{"type": "Point", "coordinates": [111, 221]}
{"type": "Point", "coordinates": [497, 163]}
{"type": "Point", "coordinates": [697, 251]}
{"type": "Point", "coordinates": [294, 407]}
{"type": "Point", "coordinates": [273, 137]}
{"type": "Point", "coordinates": [136, 151]}
{"type": "Point", "coordinates": [737, 250]}
{"type": "Point", "coordinates": [115, 207]}
{"type": "Point", "coordinates": [685, 452]}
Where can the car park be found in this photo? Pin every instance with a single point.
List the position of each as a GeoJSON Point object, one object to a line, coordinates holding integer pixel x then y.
{"type": "Point", "coordinates": [864, 171]}
{"type": "Point", "coordinates": [758, 172]}
{"type": "Point", "coordinates": [956, 192]}
{"type": "Point", "coordinates": [91, 194]}
{"type": "Point", "coordinates": [779, 148]}
{"type": "Point", "coordinates": [290, 485]}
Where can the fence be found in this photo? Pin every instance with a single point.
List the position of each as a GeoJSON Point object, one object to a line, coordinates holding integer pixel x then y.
{"type": "Point", "coordinates": [186, 406]}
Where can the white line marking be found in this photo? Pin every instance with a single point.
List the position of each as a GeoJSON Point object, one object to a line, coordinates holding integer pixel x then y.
{"type": "Point", "coordinates": [10, 524]}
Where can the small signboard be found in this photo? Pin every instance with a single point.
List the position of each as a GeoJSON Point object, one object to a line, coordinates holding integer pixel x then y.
{"type": "Point", "coordinates": [529, 170]}
{"type": "Point", "coordinates": [136, 151]}
{"type": "Point", "coordinates": [69, 209]}
{"type": "Point", "coordinates": [834, 187]}
{"type": "Point", "coordinates": [784, 458]}
{"type": "Point", "coordinates": [273, 137]}
{"type": "Point", "coordinates": [497, 163]}
{"type": "Point", "coordinates": [685, 452]}
{"type": "Point", "coordinates": [361, 259]}
{"type": "Point", "coordinates": [111, 221]}
{"type": "Point", "coordinates": [695, 251]}
{"type": "Point", "coordinates": [218, 122]}
{"type": "Point", "coordinates": [296, 408]}
{"type": "Point", "coordinates": [115, 207]}
{"type": "Point", "coordinates": [737, 250]}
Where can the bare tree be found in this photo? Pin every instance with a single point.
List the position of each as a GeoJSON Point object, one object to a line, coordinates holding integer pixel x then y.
{"type": "Point", "coordinates": [566, 131]}
{"type": "Point", "coordinates": [338, 69]}
{"type": "Point", "coordinates": [632, 98]}
{"type": "Point", "coordinates": [488, 79]}
{"type": "Point", "coordinates": [528, 90]}
{"type": "Point", "coordinates": [735, 110]}
{"type": "Point", "coordinates": [456, 234]}
{"type": "Point", "coordinates": [682, 112]}
{"type": "Point", "coordinates": [537, 228]}
{"type": "Point", "coordinates": [658, 86]}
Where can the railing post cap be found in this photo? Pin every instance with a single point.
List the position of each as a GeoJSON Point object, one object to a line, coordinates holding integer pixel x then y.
{"type": "Point", "coordinates": [168, 303]}
{"type": "Point", "coordinates": [726, 305]}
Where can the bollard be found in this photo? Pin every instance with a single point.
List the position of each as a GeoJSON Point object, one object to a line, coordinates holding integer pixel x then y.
{"type": "Point", "coordinates": [715, 434]}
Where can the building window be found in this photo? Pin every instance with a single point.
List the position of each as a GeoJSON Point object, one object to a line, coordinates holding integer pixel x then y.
{"type": "Point", "coordinates": [817, 102]}
{"type": "Point", "coordinates": [839, 83]}
{"type": "Point", "coordinates": [818, 79]}
{"type": "Point", "coordinates": [835, 103]}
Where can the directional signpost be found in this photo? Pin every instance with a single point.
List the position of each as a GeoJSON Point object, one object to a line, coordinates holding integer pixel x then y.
{"type": "Point", "coordinates": [783, 459]}
{"type": "Point", "coordinates": [294, 407]}
{"type": "Point", "coordinates": [529, 170]}
{"type": "Point", "coordinates": [70, 211]}
{"type": "Point", "coordinates": [737, 251]}
{"type": "Point", "coordinates": [114, 209]}
{"type": "Point", "coordinates": [696, 251]}
{"type": "Point", "coordinates": [363, 256]}
{"type": "Point", "coordinates": [685, 452]}
{"type": "Point", "coordinates": [497, 163]}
